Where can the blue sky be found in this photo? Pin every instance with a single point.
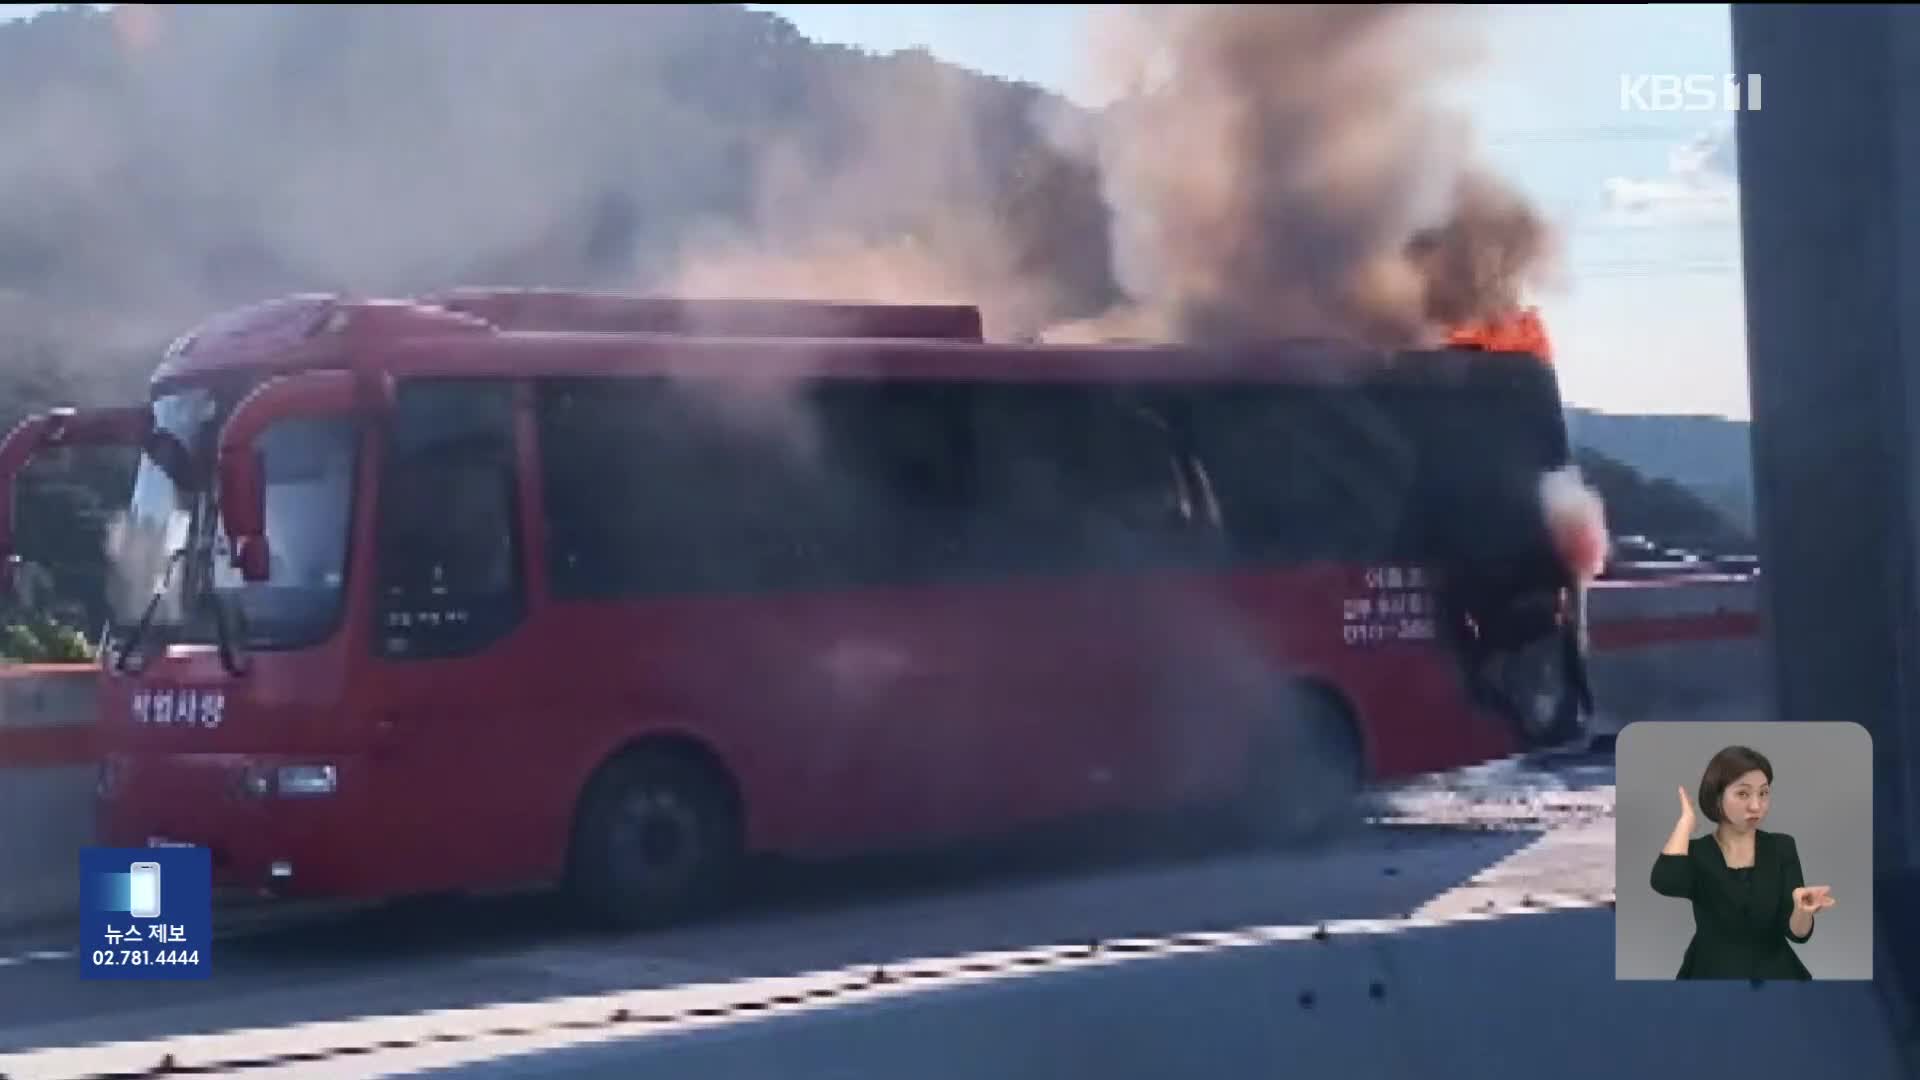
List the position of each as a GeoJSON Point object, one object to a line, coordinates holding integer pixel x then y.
{"type": "Point", "coordinates": [1649, 316]}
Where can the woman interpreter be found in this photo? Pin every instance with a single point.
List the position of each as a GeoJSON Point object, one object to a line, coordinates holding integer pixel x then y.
{"type": "Point", "coordinates": [1744, 882]}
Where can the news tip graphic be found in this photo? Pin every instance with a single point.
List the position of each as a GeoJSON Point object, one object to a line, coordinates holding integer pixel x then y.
{"type": "Point", "coordinates": [146, 913]}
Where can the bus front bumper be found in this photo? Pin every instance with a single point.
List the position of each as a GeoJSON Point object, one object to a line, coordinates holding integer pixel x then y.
{"type": "Point", "coordinates": [266, 838]}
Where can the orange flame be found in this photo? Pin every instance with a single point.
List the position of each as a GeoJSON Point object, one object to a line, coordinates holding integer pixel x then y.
{"type": "Point", "coordinates": [1520, 332]}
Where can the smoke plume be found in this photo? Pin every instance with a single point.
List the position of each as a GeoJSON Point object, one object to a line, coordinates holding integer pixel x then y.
{"type": "Point", "coordinates": [1261, 171]}
{"type": "Point", "coordinates": [1577, 521]}
{"type": "Point", "coordinates": [1273, 171]}
{"type": "Point", "coordinates": [903, 198]}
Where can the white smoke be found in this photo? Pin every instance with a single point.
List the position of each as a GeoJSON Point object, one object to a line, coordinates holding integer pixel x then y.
{"type": "Point", "coordinates": [1577, 520]}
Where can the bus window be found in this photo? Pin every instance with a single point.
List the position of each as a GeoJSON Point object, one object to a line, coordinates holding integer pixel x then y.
{"type": "Point", "coordinates": [1133, 480]}
{"type": "Point", "coordinates": [897, 455]}
{"type": "Point", "coordinates": [448, 538]}
{"type": "Point", "coordinates": [1303, 475]}
{"type": "Point", "coordinates": [1070, 479]}
{"type": "Point", "coordinates": [658, 488]}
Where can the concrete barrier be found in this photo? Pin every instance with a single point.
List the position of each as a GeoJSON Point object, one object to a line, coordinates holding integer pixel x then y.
{"type": "Point", "coordinates": [1627, 613]}
{"type": "Point", "coordinates": [46, 787]}
{"type": "Point", "coordinates": [46, 712]}
{"type": "Point", "coordinates": [1676, 650]}
{"type": "Point", "coordinates": [46, 814]}
{"type": "Point", "coordinates": [1688, 649]}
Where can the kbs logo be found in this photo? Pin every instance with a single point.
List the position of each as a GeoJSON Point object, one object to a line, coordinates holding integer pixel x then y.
{"type": "Point", "coordinates": [1689, 93]}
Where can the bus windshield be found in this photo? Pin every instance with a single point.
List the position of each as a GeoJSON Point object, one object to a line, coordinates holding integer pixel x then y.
{"type": "Point", "coordinates": [169, 558]}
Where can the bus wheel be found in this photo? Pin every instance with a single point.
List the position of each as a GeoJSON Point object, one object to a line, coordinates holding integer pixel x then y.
{"type": "Point", "coordinates": [1537, 691]}
{"type": "Point", "coordinates": [656, 839]}
{"type": "Point", "coordinates": [1307, 770]}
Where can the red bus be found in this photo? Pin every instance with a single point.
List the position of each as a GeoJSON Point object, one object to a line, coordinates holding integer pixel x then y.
{"type": "Point", "coordinates": [509, 588]}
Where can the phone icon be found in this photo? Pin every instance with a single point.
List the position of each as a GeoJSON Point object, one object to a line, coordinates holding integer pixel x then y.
{"type": "Point", "coordinates": [144, 893]}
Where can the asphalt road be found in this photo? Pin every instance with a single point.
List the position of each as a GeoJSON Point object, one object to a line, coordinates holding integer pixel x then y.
{"type": "Point", "coordinates": [1486, 841]}
{"type": "Point", "coordinates": [1515, 998]}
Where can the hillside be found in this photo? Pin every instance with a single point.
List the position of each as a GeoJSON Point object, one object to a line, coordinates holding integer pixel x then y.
{"type": "Point", "coordinates": [1710, 456]}
{"type": "Point", "coordinates": [1659, 509]}
{"type": "Point", "coordinates": [164, 162]}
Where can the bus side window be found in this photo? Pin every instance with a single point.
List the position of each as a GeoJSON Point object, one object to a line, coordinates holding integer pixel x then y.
{"type": "Point", "coordinates": [619, 487]}
{"type": "Point", "coordinates": [657, 488]}
{"type": "Point", "coordinates": [1299, 475]}
{"type": "Point", "coordinates": [1133, 480]}
{"type": "Point", "coordinates": [1071, 480]}
{"type": "Point", "coordinates": [448, 534]}
{"type": "Point", "coordinates": [897, 463]}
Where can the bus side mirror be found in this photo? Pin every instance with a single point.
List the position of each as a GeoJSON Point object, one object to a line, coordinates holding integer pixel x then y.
{"type": "Point", "coordinates": [253, 558]}
{"type": "Point", "coordinates": [243, 507]}
{"type": "Point", "coordinates": [240, 468]}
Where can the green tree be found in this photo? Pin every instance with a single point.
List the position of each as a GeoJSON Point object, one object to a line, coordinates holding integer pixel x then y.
{"type": "Point", "coordinates": [39, 639]}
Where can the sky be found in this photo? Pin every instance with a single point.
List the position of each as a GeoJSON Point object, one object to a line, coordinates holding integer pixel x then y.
{"type": "Point", "coordinates": [1648, 314]}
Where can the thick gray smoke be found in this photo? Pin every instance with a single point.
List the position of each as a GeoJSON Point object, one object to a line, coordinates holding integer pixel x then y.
{"type": "Point", "coordinates": [916, 199]}
{"type": "Point", "coordinates": [162, 163]}
{"type": "Point", "coordinates": [1279, 171]}
{"type": "Point", "coordinates": [1268, 170]}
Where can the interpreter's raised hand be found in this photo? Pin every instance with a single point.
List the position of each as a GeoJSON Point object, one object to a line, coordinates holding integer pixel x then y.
{"type": "Point", "coordinates": [1686, 822]}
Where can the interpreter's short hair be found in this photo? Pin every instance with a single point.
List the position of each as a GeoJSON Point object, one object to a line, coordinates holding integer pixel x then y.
{"type": "Point", "coordinates": [1727, 766]}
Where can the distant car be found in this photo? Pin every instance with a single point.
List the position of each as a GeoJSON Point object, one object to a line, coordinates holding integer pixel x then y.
{"type": "Point", "coordinates": [1637, 558]}
{"type": "Point", "coordinates": [1635, 549]}
{"type": "Point", "coordinates": [1748, 565]}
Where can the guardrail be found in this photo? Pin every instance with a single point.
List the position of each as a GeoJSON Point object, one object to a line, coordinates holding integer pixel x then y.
{"type": "Point", "coordinates": [1676, 649]}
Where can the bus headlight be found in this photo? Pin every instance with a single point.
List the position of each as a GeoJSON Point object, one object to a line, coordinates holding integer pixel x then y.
{"type": "Point", "coordinates": [297, 781]}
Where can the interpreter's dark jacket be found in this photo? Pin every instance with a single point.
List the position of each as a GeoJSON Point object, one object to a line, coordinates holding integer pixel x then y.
{"type": "Point", "coordinates": [1739, 916]}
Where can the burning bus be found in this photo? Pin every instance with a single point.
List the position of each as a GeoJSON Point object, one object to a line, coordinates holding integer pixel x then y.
{"type": "Point", "coordinates": [496, 587]}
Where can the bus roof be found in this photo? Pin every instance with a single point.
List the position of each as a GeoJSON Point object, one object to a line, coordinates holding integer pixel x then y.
{"type": "Point", "coordinates": [540, 332]}
{"type": "Point", "coordinates": [586, 312]}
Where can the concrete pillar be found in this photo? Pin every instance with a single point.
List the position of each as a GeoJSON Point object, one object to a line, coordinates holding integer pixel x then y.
{"type": "Point", "coordinates": [1830, 207]}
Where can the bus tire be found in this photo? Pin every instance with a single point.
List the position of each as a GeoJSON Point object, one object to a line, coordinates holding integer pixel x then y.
{"type": "Point", "coordinates": [657, 839]}
{"type": "Point", "coordinates": [1307, 770]}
